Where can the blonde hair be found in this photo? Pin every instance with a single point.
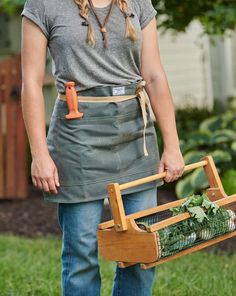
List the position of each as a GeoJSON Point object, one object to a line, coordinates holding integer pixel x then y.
{"type": "Point", "coordinates": [122, 4]}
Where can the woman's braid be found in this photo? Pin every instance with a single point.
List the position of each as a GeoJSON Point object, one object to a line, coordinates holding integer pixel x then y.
{"type": "Point", "coordinates": [130, 32]}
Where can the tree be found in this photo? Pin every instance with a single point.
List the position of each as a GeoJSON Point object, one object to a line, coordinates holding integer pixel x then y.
{"type": "Point", "coordinates": [11, 6]}
{"type": "Point", "coordinates": [216, 16]}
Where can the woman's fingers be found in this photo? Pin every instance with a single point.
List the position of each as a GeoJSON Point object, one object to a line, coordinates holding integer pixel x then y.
{"type": "Point", "coordinates": [168, 172]}
{"type": "Point", "coordinates": [168, 176]}
{"type": "Point", "coordinates": [39, 184]}
{"type": "Point", "coordinates": [48, 185]}
{"type": "Point", "coordinates": [172, 163]}
{"type": "Point", "coordinates": [52, 185]}
{"type": "Point", "coordinates": [44, 174]}
{"type": "Point", "coordinates": [177, 173]}
{"type": "Point", "coordinates": [34, 181]}
{"type": "Point", "coordinates": [45, 185]}
{"type": "Point", "coordinates": [56, 177]}
{"type": "Point", "coordinates": [174, 174]}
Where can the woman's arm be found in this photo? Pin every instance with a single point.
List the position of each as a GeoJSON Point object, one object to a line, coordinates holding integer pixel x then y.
{"type": "Point", "coordinates": [34, 51]}
{"type": "Point", "coordinates": [161, 101]}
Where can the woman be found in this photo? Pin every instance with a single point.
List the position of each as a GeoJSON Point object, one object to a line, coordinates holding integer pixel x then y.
{"type": "Point", "coordinates": [110, 50]}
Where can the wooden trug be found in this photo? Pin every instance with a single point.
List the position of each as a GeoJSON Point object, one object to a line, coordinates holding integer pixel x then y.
{"type": "Point", "coordinates": [121, 240]}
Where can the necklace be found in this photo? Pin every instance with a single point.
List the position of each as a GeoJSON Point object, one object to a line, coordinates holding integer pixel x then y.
{"type": "Point", "coordinates": [102, 26]}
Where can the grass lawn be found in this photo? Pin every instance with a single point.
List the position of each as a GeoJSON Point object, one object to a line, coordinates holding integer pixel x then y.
{"type": "Point", "coordinates": [32, 267]}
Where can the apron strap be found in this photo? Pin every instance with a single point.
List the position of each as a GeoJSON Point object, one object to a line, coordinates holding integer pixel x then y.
{"type": "Point", "coordinates": [143, 100]}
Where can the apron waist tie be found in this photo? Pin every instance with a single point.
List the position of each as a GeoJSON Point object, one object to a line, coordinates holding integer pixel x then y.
{"type": "Point", "coordinates": [143, 100]}
{"type": "Point", "coordinates": [139, 92]}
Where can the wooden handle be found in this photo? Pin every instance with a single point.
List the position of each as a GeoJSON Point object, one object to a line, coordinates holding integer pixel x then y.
{"type": "Point", "coordinates": [115, 197]}
{"type": "Point", "coordinates": [72, 101]}
{"type": "Point", "coordinates": [160, 175]}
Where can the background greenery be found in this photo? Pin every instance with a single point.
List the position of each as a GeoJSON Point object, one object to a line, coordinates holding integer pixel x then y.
{"type": "Point", "coordinates": [202, 132]}
{"type": "Point", "coordinates": [216, 16]}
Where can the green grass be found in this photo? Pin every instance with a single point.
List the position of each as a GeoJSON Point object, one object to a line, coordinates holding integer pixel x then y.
{"type": "Point", "coordinates": [32, 267]}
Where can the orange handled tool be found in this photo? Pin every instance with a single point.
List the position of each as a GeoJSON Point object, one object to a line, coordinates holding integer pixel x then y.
{"type": "Point", "coordinates": [72, 101]}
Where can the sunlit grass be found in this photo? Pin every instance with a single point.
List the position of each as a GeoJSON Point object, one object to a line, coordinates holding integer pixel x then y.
{"type": "Point", "coordinates": [32, 267]}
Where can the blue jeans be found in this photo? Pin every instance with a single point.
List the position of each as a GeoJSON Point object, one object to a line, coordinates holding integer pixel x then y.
{"type": "Point", "coordinates": [79, 255]}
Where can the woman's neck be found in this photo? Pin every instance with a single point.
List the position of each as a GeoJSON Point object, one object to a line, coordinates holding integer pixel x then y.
{"type": "Point", "coordinates": [101, 3]}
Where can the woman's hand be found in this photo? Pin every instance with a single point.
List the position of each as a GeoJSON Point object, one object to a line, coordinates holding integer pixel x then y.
{"type": "Point", "coordinates": [44, 173]}
{"type": "Point", "coordinates": [173, 163]}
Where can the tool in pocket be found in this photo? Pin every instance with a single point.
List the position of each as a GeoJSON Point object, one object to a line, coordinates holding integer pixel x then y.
{"type": "Point", "coordinates": [72, 101]}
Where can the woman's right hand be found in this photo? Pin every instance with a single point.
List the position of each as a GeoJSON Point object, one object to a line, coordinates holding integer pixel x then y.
{"type": "Point", "coordinates": [44, 173]}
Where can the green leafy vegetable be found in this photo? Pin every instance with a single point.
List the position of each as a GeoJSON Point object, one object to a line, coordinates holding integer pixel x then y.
{"type": "Point", "coordinates": [195, 205]}
{"type": "Point", "coordinates": [198, 213]}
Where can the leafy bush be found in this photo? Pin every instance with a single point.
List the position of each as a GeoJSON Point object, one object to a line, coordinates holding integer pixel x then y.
{"type": "Point", "coordinates": [229, 182]}
{"type": "Point", "coordinates": [203, 132]}
{"type": "Point", "coordinates": [11, 6]}
{"type": "Point", "coordinates": [216, 136]}
{"type": "Point", "coordinates": [216, 16]}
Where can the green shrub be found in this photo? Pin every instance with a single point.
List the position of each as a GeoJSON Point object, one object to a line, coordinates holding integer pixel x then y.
{"type": "Point", "coordinates": [215, 136]}
{"type": "Point", "coordinates": [229, 182]}
{"type": "Point", "coordinates": [202, 133]}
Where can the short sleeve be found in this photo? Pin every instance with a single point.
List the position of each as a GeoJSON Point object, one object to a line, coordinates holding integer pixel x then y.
{"type": "Point", "coordinates": [147, 12]}
{"type": "Point", "coordinates": [35, 11]}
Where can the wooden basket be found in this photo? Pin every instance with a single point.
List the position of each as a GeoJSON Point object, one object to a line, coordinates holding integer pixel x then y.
{"type": "Point", "coordinates": [122, 240]}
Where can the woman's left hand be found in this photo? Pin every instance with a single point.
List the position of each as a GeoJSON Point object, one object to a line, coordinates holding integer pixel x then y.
{"type": "Point", "coordinates": [173, 163]}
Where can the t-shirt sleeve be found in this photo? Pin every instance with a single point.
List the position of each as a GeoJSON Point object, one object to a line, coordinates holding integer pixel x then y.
{"type": "Point", "coordinates": [35, 11]}
{"type": "Point", "coordinates": [147, 12]}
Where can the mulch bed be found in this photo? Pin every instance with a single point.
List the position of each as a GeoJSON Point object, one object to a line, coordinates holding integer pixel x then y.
{"type": "Point", "coordinates": [33, 217]}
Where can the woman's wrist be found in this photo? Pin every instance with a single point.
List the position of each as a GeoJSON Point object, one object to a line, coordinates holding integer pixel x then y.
{"type": "Point", "coordinates": [35, 153]}
{"type": "Point", "coordinates": [170, 149]}
{"type": "Point", "coordinates": [171, 145]}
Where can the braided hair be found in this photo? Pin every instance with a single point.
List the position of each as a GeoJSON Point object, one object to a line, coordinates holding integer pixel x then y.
{"type": "Point", "coordinates": [83, 6]}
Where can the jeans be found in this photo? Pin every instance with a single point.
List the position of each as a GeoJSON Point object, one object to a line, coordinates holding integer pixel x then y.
{"type": "Point", "coordinates": [79, 254]}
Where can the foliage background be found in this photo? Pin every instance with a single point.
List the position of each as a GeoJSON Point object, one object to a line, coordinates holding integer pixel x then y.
{"type": "Point", "coordinates": [216, 16]}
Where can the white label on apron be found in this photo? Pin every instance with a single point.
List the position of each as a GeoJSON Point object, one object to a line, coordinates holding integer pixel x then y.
{"type": "Point", "coordinates": [120, 90]}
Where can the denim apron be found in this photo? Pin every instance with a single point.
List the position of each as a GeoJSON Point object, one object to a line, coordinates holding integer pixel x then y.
{"type": "Point", "coordinates": [104, 146]}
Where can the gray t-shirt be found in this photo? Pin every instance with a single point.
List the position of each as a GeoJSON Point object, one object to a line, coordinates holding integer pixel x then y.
{"type": "Point", "coordinates": [73, 59]}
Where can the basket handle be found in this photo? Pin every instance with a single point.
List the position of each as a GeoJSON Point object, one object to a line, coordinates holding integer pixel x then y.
{"type": "Point", "coordinates": [114, 189]}
{"type": "Point", "coordinates": [160, 175]}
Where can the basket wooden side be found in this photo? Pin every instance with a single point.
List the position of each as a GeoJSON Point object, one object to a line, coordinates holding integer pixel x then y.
{"type": "Point", "coordinates": [133, 245]}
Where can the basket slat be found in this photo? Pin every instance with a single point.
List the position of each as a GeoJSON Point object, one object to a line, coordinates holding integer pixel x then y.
{"type": "Point", "coordinates": [190, 250]}
{"type": "Point", "coordinates": [159, 225]}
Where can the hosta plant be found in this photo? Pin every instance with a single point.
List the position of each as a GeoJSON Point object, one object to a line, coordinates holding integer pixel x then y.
{"type": "Point", "coordinates": [215, 136]}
